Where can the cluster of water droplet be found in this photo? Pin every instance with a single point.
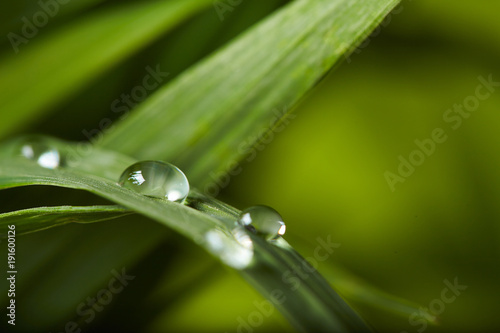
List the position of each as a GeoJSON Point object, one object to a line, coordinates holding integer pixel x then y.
{"type": "Point", "coordinates": [163, 180]}
{"type": "Point", "coordinates": [263, 221]}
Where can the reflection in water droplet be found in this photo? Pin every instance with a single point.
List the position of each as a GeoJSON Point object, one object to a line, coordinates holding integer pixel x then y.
{"type": "Point", "coordinates": [156, 179]}
{"type": "Point", "coordinates": [263, 221]}
{"type": "Point", "coordinates": [42, 152]}
{"type": "Point", "coordinates": [236, 254]}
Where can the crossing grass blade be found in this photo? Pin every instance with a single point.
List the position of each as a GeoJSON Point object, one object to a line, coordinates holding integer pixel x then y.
{"type": "Point", "coordinates": [212, 114]}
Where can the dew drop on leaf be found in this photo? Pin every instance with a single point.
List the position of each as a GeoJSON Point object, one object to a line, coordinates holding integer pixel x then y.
{"type": "Point", "coordinates": [263, 221]}
{"type": "Point", "coordinates": [156, 179]}
{"type": "Point", "coordinates": [231, 250]}
{"type": "Point", "coordinates": [40, 151]}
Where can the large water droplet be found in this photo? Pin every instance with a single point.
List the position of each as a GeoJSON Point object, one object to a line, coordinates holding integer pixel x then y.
{"type": "Point", "coordinates": [156, 179]}
{"type": "Point", "coordinates": [263, 221]}
{"type": "Point", "coordinates": [41, 151]}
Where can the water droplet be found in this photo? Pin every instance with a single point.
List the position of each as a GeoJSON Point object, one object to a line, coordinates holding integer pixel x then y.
{"type": "Point", "coordinates": [264, 221]}
{"type": "Point", "coordinates": [156, 179]}
{"type": "Point", "coordinates": [41, 151]}
{"type": "Point", "coordinates": [242, 237]}
{"type": "Point", "coordinates": [237, 253]}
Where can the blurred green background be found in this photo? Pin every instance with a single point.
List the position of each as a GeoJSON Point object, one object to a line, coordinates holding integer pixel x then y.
{"type": "Point", "coordinates": [324, 173]}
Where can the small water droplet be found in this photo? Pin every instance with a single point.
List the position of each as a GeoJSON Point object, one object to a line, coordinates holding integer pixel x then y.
{"type": "Point", "coordinates": [237, 253]}
{"type": "Point", "coordinates": [156, 179]}
{"type": "Point", "coordinates": [242, 237]}
{"type": "Point", "coordinates": [264, 221]}
{"type": "Point", "coordinates": [40, 151]}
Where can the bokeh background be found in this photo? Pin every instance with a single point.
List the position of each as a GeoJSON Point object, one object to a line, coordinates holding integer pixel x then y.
{"type": "Point", "coordinates": [325, 173]}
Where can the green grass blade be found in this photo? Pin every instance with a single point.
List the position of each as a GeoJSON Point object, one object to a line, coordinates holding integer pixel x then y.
{"type": "Point", "coordinates": [279, 270]}
{"type": "Point", "coordinates": [187, 221]}
{"type": "Point", "coordinates": [263, 264]}
{"type": "Point", "coordinates": [41, 218]}
{"type": "Point", "coordinates": [50, 69]}
{"type": "Point", "coordinates": [209, 117]}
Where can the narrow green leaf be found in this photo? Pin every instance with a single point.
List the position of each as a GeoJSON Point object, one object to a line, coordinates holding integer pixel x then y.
{"type": "Point", "coordinates": [277, 269]}
{"type": "Point", "coordinates": [50, 69]}
{"type": "Point", "coordinates": [41, 218]}
{"type": "Point", "coordinates": [212, 114]}
{"type": "Point", "coordinates": [211, 224]}
{"type": "Point", "coordinates": [187, 221]}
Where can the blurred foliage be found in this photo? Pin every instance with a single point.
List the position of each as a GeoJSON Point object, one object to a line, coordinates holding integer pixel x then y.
{"type": "Point", "coordinates": [324, 173]}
